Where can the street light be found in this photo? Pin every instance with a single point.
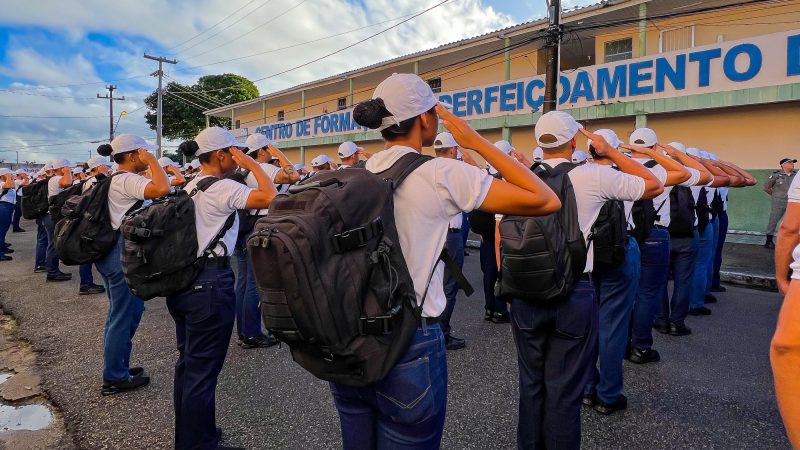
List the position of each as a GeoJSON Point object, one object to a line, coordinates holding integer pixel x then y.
{"type": "Point", "coordinates": [123, 113]}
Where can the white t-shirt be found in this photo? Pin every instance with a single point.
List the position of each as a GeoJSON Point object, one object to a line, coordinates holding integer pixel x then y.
{"type": "Point", "coordinates": [53, 188]}
{"type": "Point", "coordinates": [424, 204]}
{"type": "Point", "coordinates": [10, 196]}
{"type": "Point", "coordinates": [662, 202]}
{"type": "Point", "coordinates": [457, 221]}
{"type": "Point", "coordinates": [593, 185]}
{"type": "Point", "coordinates": [125, 190]}
{"type": "Point", "coordinates": [271, 171]}
{"type": "Point", "coordinates": [89, 183]}
{"type": "Point", "coordinates": [794, 197]}
{"type": "Point", "coordinates": [212, 209]}
{"type": "Point", "coordinates": [661, 174]}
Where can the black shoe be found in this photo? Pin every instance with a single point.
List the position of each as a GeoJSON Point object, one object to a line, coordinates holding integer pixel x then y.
{"type": "Point", "coordinates": [661, 326]}
{"type": "Point", "coordinates": [644, 356]}
{"type": "Point", "coordinates": [488, 315]}
{"type": "Point", "coordinates": [609, 408]}
{"type": "Point", "coordinates": [701, 311]}
{"type": "Point", "coordinates": [115, 387]}
{"type": "Point", "coordinates": [5, 258]}
{"type": "Point", "coordinates": [501, 318]}
{"type": "Point", "coordinates": [718, 289]}
{"type": "Point", "coordinates": [39, 269]}
{"type": "Point", "coordinates": [258, 342]}
{"type": "Point", "coordinates": [8, 251]}
{"type": "Point", "coordinates": [710, 299]}
{"type": "Point", "coordinates": [454, 343]}
{"type": "Point", "coordinates": [93, 289]}
{"type": "Point", "coordinates": [60, 277]}
{"type": "Point", "coordinates": [18, 230]}
{"type": "Point", "coordinates": [676, 329]}
{"type": "Point", "coordinates": [590, 399]}
{"type": "Point", "coordinates": [136, 371]}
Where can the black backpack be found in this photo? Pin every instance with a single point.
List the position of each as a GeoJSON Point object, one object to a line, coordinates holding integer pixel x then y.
{"type": "Point", "coordinates": [483, 223]}
{"type": "Point", "coordinates": [643, 213]}
{"type": "Point", "coordinates": [681, 212]}
{"type": "Point", "coordinates": [609, 234]}
{"type": "Point", "coordinates": [159, 256]}
{"type": "Point", "coordinates": [84, 234]}
{"type": "Point", "coordinates": [331, 275]}
{"type": "Point", "coordinates": [34, 201]}
{"type": "Point", "coordinates": [544, 257]}
{"type": "Point", "coordinates": [57, 201]}
{"type": "Point", "coordinates": [702, 209]}
{"type": "Point", "coordinates": [717, 205]}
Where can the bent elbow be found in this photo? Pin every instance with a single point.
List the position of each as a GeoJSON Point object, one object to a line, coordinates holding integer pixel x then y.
{"type": "Point", "coordinates": [652, 191]}
{"type": "Point", "coordinates": [552, 205]}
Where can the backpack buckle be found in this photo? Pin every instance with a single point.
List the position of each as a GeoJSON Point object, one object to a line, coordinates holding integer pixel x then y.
{"type": "Point", "coordinates": [357, 237]}
{"type": "Point", "coordinates": [375, 325]}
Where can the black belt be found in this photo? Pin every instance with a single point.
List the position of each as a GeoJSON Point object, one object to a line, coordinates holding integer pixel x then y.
{"type": "Point", "coordinates": [585, 277]}
{"type": "Point", "coordinates": [454, 230]}
{"type": "Point", "coordinates": [220, 262]}
{"type": "Point", "coordinates": [430, 321]}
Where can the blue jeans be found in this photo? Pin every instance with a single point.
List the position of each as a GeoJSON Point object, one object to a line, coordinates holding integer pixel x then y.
{"type": "Point", "coordinates": [124, 313]}
{"type": "Point", "coordinates": [17, 215]}
{"type": "Point", "coordinates": [248, 315]}
{"type": "Point", "coordinates": [41, 242]}
{"type": "Point", "coordinates": [723, 233]}
{"type": "Point", "coordinates": [87, 279]}
{"type": "Point", "coordinates": [464, 228]}
{"type": "Point", "coordinates": [653, 279]}
{"type": "Point", "coordinates": [712, 258]}
{"type": "Point", "coordinates": [455, 248]}
{"type": "Point", "coordinates": [702, 267]}
{"type": "Point", "coordinates": [6, 213]}
{"type": "Point", "coordinates": [490, 273]}
{"type": "Point", "coordinates": [556, 348]}
{"type": "Point", "coordinates": [203, 315]}
{"type": "Point", "coordinates": [616, 293]}
{"type": "Point", "coordinates": [682, 255]}
{"type": "Point", "coordinates": [51, 256]}
{"type": "Point", "coordinates": [405, 410]}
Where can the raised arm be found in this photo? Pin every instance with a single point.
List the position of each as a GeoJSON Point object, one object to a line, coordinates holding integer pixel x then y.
{"type": "Point", "coordinates": [652, 187]}
{"type": "Point", "coordinates": [688, 161]}
{"type": "Point", "coordinates": [261, 197]}
{"type": "Point", "coordinates": [676, 172]}
{"type": "Point", "coordinates": [159, 182]}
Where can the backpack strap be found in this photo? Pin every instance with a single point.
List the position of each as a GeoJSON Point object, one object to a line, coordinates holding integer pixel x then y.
{"type": "Point", "coordinates": [203, 185]}
{"type": "Point", "coordinates": [650, 164]}
{"type": "Point", "coordinates": [456, 272]}
{"type": "Point", "coordinates": [403, 168]}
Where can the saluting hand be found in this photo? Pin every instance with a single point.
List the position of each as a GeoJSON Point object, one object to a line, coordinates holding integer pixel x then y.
{"type": "Point", "coordinates": [244, 161]}
{"type": "Point", "coordinates": [601, 147]}
{"type": "Point", "coordinates": [459, 128]}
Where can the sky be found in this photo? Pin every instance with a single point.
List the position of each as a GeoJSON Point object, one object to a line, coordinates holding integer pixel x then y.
{"type": "Point", "coordinates": [56, 56]}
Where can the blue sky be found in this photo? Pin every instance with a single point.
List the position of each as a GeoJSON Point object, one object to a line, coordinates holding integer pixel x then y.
{"type": "Point", "coordinates": [56, 56]}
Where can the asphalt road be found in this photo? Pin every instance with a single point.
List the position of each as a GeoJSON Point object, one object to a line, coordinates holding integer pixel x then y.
{"type": "Point", "coordinates": [713, 389]}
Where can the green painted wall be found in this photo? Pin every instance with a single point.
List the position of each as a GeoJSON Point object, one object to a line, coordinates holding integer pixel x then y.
{"type": "Point", "coordinates": [748, 208]}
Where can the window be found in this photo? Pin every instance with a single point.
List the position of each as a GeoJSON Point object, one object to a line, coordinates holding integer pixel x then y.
{"type": "Point", "coordinates": [238, 124]}
{"type": "Point", "coordinates": [341, 103]}
{"type": "Point", "coordinates": [280, 116]}
{"type": "Point", "coordinates": [618, 50]}
{"type": "Point", "coordinates": [676, 39]}
{"type": "Point", "coordinates": [435, 84]}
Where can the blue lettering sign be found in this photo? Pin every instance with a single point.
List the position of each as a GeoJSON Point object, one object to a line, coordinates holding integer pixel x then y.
{"type": "Point", "coordinates": [635, 78]}
{"type": "Point", "coordinates": [793, 55]}
{"type": "Point", "coordinates": [489, 97]}
{"type": "Point", "coordinates": [458, 103]}
{"type": "Point", "coordinates": [704, 58]}
{"type": "Point", "coordinates": [582, 88]}
{"type": "Point", "coordinates": [565, 88]}
{"type": "Point", "coordinates": [676, 75]}
{"type": "Point", "coordinates": [754, 62]}
{"type": "Point", "coordinates": [474, 102]}
{"type": "Point", "coordinates": [506, 95]}
{"type": "Point", "coordinates": [534, 103]}
{"type": "Point", "coordinates": [608, 86]}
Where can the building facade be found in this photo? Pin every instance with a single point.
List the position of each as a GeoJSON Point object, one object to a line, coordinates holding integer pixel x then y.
{"type": "Point", "coordinates": [722, 76]}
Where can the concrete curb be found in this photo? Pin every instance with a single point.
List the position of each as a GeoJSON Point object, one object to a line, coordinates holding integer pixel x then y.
{"type": "Point", "coordinates": [749, 280]}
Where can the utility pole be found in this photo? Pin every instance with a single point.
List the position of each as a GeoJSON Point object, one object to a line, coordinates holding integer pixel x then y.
{"type": "Point", "coordinates": [160, 74]}
{"type": "Point", "coordinates": [553, 45]}
{"type": "Point", "coordinates": [111, 99]}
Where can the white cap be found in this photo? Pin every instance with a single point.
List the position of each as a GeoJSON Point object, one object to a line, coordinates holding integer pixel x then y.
{"type": "Point", "coordinates": [444, 140]}
{"type": "Point", "coordinates": [713, 156]}
{"type": "Point", "coordinates": [60, 164]}
{"type": "Point", "coordinates": [97, 161]}
{"type": "Point", "coordinates": [130, 142]}
{"type": "Point", "coordinates": [320, 160]}
{"type": "Point", "coordinates": [195, 164]}
{"type": "Point", "coordinates": [694, 152]}
{"type": "Point", "coordinates": [5, 171]}
{"type": "Point", "coordinates": [644, 137]}
{"type": "Point", "coordinates": [257, 141]}
{"type": "Point", "coordinates": [165, 161]}
{"type": "Point", "coordinates": [406, 96]}
{"type": "Point", "coordinates": [114, 167]}
{"type": "Point", "coordinates": [48, 166]}
{"type": "Point", "coordinates": [299, 167]}
{"type": "Point", "coordinates": [678, 146]}
{"type": "Point", "coordinates": [610, 137]}
{"type": "Point", "coordinates": [215, 138]}
{"type": "Point", "coordinates": [704, 154]}
{"type": "Point", "coordinates": [579, 156]}
{"type": "Point", "coordinates": [504, 146]}
{"type": "Point", "coordinates": [558, 124]}
{"type": "Point", "coordinates": [538, 154]}
{"type": "Point", "coordinates": [348, 149]}
{"type": "Point", "coordinates": [77, 170]}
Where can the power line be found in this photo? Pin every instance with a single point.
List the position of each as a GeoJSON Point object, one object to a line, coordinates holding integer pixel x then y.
{"type": "Point", "coordinates": [200, 95]}
{"type": "Point", "coordinates": [51, 117]}
{"type": "Point", "coordinates": [211, 27]}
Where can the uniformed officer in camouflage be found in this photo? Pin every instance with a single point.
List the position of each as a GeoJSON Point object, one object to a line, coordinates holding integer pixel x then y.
{"type": "Point", "coordinates": [777, 186]}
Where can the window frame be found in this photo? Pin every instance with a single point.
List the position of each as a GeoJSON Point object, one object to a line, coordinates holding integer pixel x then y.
{"type": "Point", "coordinates": [606, 55]}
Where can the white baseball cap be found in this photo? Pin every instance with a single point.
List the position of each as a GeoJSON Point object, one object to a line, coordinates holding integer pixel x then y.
{"type": "Point", "coordinates": [215, 138]}
{"type": "Point", "coordinates": [609, 135]}
{"type": "Point", "coordinates": [195, 164]}
{"type": "Point", "coordinates": [130, 142]}
{"type": "Point", "coordinates": [97, 161]}
{"type": "Point", "coordinates": [644, 137]}
{"type": "Point", "coordinates": [77, 170]}
{"type": "Point", "coordinates": [299, 167]}
{"type": "Point", "coordinates": [165, 161]}
{"type": "Point", "coordinates": [713, 156]}
{"type": "Point", "coordinates": [5, 171]}
{"type": "Point", "coordinates": [405, 96]}
{"type": "Point", "coordinates": [504, 146]}
{"type": "Point", "coordinates": [257, 141]}
{"type": "Point", "coordinates": [444, 140]}
{"type": "Point", "coordinates": [558, 124]}
{"type": "Point", "coordinates": [678, 146]}
{"type": "Point", "coordinates": [320, 160]}
{"type": "Point", "coordinates": [60, 164]}
{"type": "Point", "coordinates": [705, 154]}
{"type": "Point", "coordinates": [48, 166]}
{"type": "Point", "coordinates": [694, 152]}
{"type": "Point", "coordinates": [348, 149]}
{"type": "Point", "coordinates": [538, 154]}
{"type": "Point", "coordinates": [579, 156]}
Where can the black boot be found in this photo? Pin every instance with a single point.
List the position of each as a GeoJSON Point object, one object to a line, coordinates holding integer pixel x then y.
{"type": "Point", "coordinates": [769, 243]}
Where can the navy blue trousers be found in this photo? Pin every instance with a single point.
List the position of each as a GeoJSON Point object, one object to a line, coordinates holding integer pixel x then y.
{"type": "Point", "coordinates": [653, 279]}
{"type": "Point", "coordinates": [455, 248]}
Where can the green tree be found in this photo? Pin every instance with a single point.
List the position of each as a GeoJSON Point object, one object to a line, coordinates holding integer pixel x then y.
{"type": "Point", "coordinates": [181, 119]}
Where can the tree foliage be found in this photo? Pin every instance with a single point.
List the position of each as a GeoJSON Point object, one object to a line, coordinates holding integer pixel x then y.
{"type": "Point", "coordinates": [181, 119]}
